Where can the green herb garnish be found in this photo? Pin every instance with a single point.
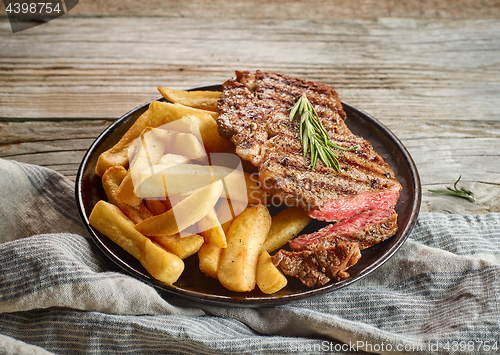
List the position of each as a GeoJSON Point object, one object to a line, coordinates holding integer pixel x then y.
{"type": "Point", "coordinates": [313, 134]}
{"type": "Point", "coordinates": [469, 195]}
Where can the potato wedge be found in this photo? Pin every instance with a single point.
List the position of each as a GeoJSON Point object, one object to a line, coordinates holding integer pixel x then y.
{"type": "Point", "coordinates": [126, 192]}
{"type": "Point", "coordinates": [173, 159]}
{"type": "Point", "coordinates": [208, 259]}
{"type": "Point", "coordinates": [165, 162]}
{"type": "Point", "coordinates": [161, 113]}
{"type": "Point", "coordinates": [186, 144]}
{"type": "Point", "coordinates": [206, 100]}
{"type": "Point", "coordinates": [227, 212]}
{"type": "Point", "coordinates": [156, 207]}
{"type": "Point", "coordinates": [255, 195]}
{"type": "Point", "coordinates": [205, 128]}
{"type": "Point", "coordinates": [268, 277]}
{"type": "Point", "coordinates": [111, 181]}
{"type": "Point", "coordinates": [180, 179]}
{"type": "Point", "coordinates": [238, 264]}
{"type": "Point", "coordinates": [184, 214]}
{"type": "Point", "coordinates": [118, 154]}
{"type": "Point", "coordinates": [146, 151]}
{"type": "Point", "coordinates": [182, 246]}
{"type": "Point", "coordinates": [285, 225]}
{"type": "Point", "coordinates": [210, 228]}
{"type": "Point", "coordinates": [112, 222]}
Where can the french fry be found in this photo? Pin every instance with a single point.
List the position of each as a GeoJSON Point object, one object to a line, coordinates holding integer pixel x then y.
{"type": "Point", "coordinates": [186, 144]}
{"type": "Point", "coordinates": [155, 188]}
{"type": "Point", "coordinates": [185, 213]}
{"type": "Point", "coordinates": [182, 246]}
{"type": "Point", "coordinates": [255, 195]}
{"type": "Point", "coordinates": [228, 210]}
{"type": "Point", "coordinates": [112, 222]}
{"type": "Point", "coordinates": [146, 151]}
{"type": "Point", "coordinates": [206, 100]}
{"type": "Point", "coordinates": [204, 127]}
{"type": "Point", "coordinates": [161, 113]}
{"type": "Point", "coordinates": [173, 159]}
{"type": "Point", "coordinates": [180, 179]}
{"type": "Point", "coordinates": [111, 181]}
{"type": "Point", "coordinates": [285, 225]}
{"type": "Point", "coordinates": [210, 228]}
{"type": "Point", "coordinates": [208, 259]}
{"type": "Point", "coordinates": [268, 277]}
{"type": "Point", "coordinates": [118, 154]}
{"type": "Point", "coordinates": [155, 206]}
{"type": "Point", "coordinates": [237, 267]}
{"type": "Point", "coordinates": [180, 118]}
{"type": "Point", "coordinates": [126, 192]}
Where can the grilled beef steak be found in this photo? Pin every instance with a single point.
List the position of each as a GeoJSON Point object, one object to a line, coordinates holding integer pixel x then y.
{"type": "Point", "coordinates": [316, 267]}
{"type": "Point", "coordinates": [367, 229]}
{"type": "Point", "coordinates": [360, 197]}
{"type": "Point", "coordinates": [254, 114]}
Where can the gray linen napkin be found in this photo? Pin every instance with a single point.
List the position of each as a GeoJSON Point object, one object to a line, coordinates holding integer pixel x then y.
{"type": "Point", "coordinates": [439, 294]}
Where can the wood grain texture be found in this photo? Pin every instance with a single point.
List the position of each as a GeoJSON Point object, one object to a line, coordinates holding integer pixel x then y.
{"type": "Point", "coordinates": [429, 72]}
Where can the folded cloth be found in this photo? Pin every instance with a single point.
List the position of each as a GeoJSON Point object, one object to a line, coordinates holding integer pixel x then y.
{"type": "Point", "coordinates": [440, 293]}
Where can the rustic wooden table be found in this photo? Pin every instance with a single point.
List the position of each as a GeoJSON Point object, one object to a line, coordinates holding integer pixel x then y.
{"type": "Point", "coordinates": [428, 70]}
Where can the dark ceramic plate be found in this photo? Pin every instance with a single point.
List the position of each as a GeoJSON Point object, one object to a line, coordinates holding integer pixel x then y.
{"type": "Point", "coordinates": [193, 284]}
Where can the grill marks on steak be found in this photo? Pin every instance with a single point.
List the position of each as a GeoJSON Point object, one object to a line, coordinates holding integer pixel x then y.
{"type": "Point", "coordinates": [254, 114]}
{"type": "Point", "coordinates": [360, 198]}
{"type": "Point", "coordinates": [316, 267]}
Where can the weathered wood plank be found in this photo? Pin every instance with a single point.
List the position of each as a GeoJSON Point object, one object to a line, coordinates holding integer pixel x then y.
{"type": "Point", "coordinates": [435, 84]}
{"type": "Point", "coordinates": [290, 9]}
{"type": "Point", "coordinates": [391, 67]}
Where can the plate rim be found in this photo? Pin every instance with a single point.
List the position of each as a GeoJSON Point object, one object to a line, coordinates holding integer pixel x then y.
{"type": "Point", "coordinates": [265, 300]}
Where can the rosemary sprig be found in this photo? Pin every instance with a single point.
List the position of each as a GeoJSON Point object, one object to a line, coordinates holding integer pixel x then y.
{"type": "Point", "coordinates": [464, 193]}
{"type": "Point", "coordinates": [314, 136]}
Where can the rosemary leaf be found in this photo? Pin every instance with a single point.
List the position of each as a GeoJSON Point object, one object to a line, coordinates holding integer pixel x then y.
{"type": "Point", "coordinates": [314, 136]}
{"type": "Point", "coordinates": [463, 193]}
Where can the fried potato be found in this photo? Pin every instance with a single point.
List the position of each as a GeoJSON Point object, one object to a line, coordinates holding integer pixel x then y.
{"type": "Point", "coordinates": [228, 210]}
{"type": "Point", "coordinates": [285, 225]}
{"type": "Point", "coordinates": [205, 128]}
{"type": "Point", "coordinates": [156, 207]}
{"type": "Point", "coordinates": [111, 181]}
{"type": "Point", "coordinates": [165, 162]}
{"type": "Point", "coordinates": [206, 100]}
{"type": "Point", "coordinates": [186, 144]}
{"type": "Point", "coordinates": [180, 179]}
{"type": "Point", "coordinates": [126, 192]}
{"type": "Point", "coordinates": [161, 113]}
{"type": "Point", "coordinates": [112, 222]}
{"type": "Point", "coordinates": [210, 228]}
{"type": "Point", "coordinates": [255, 195]}
{"type": "Point", "coordinates": [184, 214]}
{"type": "Point", "coordinates": [118, 154]}
{"type": "Point", "coordinates": [208, 259]}
{"type": "Point", "coordinates": [146, 151]}
{"type": "Point", "coordinates": [182, 246]}
{"type": "Point", "coordinates": [173, 159]}
{"type": "Point", "coordinates": [268, 277]}
{"type": "Point", "coordinates": [237, 267]}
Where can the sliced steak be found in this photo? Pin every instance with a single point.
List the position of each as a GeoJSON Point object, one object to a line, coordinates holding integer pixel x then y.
{"type": "Point", "coordinates": [254, 114]}
{"type": "Point", "coordinates": [367, 229]}
{"type": "Point", "coordinates": [316, 267]}
{"type": "Point", "coordinates": [360, 197]}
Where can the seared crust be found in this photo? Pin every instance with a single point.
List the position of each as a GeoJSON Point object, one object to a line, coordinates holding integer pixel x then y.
{"type": "Point", "coordinates": [315, 267]}
{"type": "Point", "coordinates": [254, 114]}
